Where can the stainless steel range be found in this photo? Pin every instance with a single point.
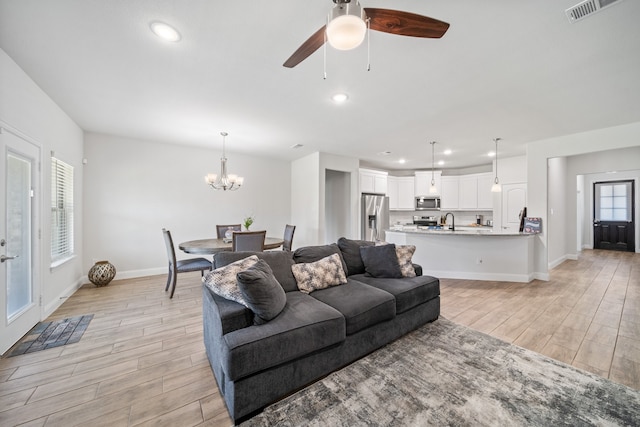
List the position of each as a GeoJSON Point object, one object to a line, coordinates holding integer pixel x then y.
{"type": "Point", "coordinates": [425, 220]}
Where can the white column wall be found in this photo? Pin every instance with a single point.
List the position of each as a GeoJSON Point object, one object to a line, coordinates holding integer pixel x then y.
{"type": "Point", "coordinates": [308, 176]}
{"type": "Point", "coordinates": [559, 198]}
{"type": "Point", "coordinates": [134, 188]}
{"type": "Point", "coordinates": [305, 200]}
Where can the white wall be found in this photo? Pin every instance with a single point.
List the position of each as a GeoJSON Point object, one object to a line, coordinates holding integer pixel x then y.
{"type": "Point", "coordinates": [558, 201]}
{"type": "Point", "coordinates": [26, 109]}
{"type": "Point", "coordinates": [135, 188]}
{"type": "Point", "coordinates": [600, 140]}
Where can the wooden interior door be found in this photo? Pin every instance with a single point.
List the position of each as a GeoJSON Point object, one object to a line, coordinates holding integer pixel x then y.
{"type": "Point", "coordinates": [613, 216]}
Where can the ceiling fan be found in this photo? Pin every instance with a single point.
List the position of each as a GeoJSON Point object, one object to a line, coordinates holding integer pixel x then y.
{"type": "Point", "coordinates": [347, 25]}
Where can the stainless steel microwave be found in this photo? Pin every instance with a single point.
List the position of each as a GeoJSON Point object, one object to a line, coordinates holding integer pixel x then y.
{"type": "Point", "coordinates": [427, 203]}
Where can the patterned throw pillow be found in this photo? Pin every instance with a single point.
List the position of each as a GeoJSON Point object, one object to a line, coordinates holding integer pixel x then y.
{"type": "Point", "coordinates": [404, 253]}
{"type": "Point", "coordinates": [321, 274]}
{"type": "Point", "coordinates": [223, 281]}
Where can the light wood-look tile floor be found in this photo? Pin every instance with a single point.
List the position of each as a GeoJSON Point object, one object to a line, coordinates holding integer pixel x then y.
{"type": "Point", "coordinates": [142, 360]}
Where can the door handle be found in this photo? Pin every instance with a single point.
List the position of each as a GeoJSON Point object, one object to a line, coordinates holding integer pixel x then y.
{"type": "Point", "coordinates": [4, 258]}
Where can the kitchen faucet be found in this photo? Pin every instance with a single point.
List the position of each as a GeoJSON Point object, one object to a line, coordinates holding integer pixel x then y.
{"type": "Point", "coordinates": [453, 221]}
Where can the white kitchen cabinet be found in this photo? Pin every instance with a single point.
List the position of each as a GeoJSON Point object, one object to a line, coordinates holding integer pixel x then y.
{"type": "Point", "coordinates": [423, 182]}
{"type": "Point", "coordinates": [392, 192]}
{"type": "Point", "coordinates": [372, 181]}
{"type": "Point", "coordinates": [468, 192]}
{"type": "Point", "coordinates": [406, 193]}
{"type": "Point", "coordinates": [449, 193]}
{"type": "Point", "coordinates": [485, 196]}
{"type": "Point", "coordinates": [475, 192]}
{"type": "Point", "coordinates": [401, 193]}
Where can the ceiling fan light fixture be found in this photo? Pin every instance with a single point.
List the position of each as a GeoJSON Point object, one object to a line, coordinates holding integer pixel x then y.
{"type": "Point", "coordinates": [346, 27]}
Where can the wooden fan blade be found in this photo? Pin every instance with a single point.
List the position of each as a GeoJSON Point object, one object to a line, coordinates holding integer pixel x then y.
{"type": "Point", "coordinates": [311, 45]}
{"type": "Point", "coordinates": [405, 23]}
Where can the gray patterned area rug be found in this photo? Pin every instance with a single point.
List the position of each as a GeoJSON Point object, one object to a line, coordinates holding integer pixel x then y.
{"type": "Point", "coordinates": [52, 334]}
{"type": "Point", "coordinates": [448, 374]}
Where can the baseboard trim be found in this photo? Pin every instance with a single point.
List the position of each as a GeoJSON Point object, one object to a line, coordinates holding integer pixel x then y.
{"type": "Point", "coordinates": [133, 274]}
{"type": "Point", "coordinates": [57, 302]}
{"type": "Point", "coordinates": [492, 277]}
{"type": "Point", "coordinates": [562, 259]}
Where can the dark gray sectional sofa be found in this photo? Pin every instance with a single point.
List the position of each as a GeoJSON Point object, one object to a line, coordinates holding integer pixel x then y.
{"type": "Point", "coordinates": [315, 333]}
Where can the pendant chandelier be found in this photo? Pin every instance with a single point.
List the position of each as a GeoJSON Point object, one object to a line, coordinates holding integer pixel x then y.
{"type": "Point", "coordinates": [433, 189]}
{"type": "Point", "coordinates": [224, 182]}
{"type": "Point", "coordinates": [496, 187]}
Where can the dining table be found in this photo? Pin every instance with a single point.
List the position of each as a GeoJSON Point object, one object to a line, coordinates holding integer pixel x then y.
{"type": "Point", "coordinates": [212, 246]}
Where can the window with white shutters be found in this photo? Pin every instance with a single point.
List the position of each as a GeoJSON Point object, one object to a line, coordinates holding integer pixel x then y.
{"type": "Point", "coordinates": [61, 211]}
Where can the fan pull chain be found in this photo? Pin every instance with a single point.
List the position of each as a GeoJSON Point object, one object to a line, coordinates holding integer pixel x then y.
{"type": "Point", "coordinates": [368, 44]}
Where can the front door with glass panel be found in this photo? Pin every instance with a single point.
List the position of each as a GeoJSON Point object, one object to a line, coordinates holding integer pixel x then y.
{"type": "Point", "coordinates": [613, 216]}
{"type": "Point", "coordinates": [20, 295]}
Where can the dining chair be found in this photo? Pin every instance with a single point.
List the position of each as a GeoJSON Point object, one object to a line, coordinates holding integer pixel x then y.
{"type": "Point", "coordinates": [221, 229]}
{"type": "Point", "coordinates": [244, 241]}
{"type": "Point", "coordinates": [181, 266]}
{"type": "Point", "coordinates": [288, 237]}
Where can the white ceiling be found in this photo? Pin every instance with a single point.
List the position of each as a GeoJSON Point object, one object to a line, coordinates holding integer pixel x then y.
{"type": "Point", "coordinates": [512, 69]}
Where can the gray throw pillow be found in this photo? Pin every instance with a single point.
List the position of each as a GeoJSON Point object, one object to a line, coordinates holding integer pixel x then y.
{"type": "Point", "coordinates": [351, 254]}
{"type": "Point", "coordinates": [307, 254]}
{"type": "Point", "coordinates": [381, 261]}
{"type": "Point", "coordinates": [262, 292]}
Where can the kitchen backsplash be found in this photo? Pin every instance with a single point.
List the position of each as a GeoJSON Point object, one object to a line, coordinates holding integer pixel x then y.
{"type": "Point", "coordinates": [462, 217]}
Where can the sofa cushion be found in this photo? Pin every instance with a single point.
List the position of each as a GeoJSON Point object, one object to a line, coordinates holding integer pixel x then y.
{"type": "Point", "coordinates": [262, 292]}
{"type": "Point", "coordinates": [314, 253]}
{"type": "Point", "coordinates": [223, 281]}
{"type": "Point", "coordinates": [321, 274]}
{"type": "Point", "coordinates": [351, 254]}
{"type": "Point", "coordinates": [361, 305]}
{"type": "Point", "coordinates": [408, 291]}
{"type": "Point", "coordinates": [279, 261]}
{"type": "Point", "coordinates": [381, 261]}
{"type": "Point", "coordinates": [304, 326]}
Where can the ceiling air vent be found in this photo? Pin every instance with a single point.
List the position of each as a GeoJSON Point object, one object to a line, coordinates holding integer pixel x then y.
{"type": "Point", "coordinates": [587, 8]}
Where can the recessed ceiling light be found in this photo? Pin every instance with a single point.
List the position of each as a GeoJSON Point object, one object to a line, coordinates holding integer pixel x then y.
{"type": "Point", "coordinates": [339, 98]}
{"type": "Point", "coordinates": [294, 146]}
{"type": "Point", "coordinates": [441, 162]}
{"type": "Point", "coordinates": [402, 161]}
{"type": "Point", "coordinates": [165, 31]}
{"type": "Point", "coordinates": [447, 152]}
{"type": "Point", "coordinates": [384, 153]}
{"type": "Point", "coordinates": [491, 154]}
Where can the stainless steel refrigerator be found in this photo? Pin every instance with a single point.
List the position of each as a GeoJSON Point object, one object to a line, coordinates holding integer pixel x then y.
{"type": "Point", "coordinates": [374, 216]}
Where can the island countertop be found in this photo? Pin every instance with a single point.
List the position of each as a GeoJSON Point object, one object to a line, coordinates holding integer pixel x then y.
{"type": "Point", "coordinates": [466, 231]}
{"type": "Point", "coordinates": [482, 254]}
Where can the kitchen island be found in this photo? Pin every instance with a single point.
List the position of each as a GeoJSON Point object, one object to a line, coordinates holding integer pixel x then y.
{"type": "Point", "coordinates": [475, 254]}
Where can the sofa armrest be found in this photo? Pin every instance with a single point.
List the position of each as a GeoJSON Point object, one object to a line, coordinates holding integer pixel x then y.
{"type": "Point", "coordinates": [418, 269]}
{"type": "Point", "coordinates": [231, 315]}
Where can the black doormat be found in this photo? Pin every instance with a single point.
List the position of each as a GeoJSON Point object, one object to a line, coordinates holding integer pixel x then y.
{"type": "Point", "coordinates": [53, 334]}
